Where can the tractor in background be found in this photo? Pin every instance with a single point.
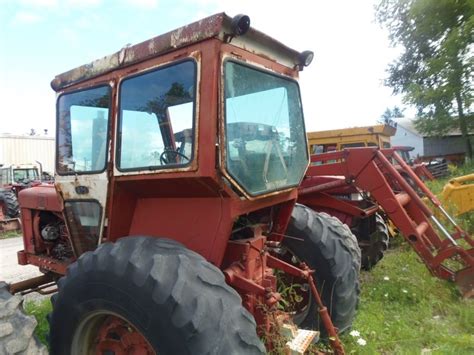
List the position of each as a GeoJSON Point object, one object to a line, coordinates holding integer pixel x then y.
{"type": "Point", "coordinates": [349, 204]}
{"type": "Point", "coordinates": [13, 179]}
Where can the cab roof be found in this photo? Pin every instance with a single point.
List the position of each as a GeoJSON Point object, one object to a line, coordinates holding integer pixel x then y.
{"type": "Point", "coordinates": [216, 26]}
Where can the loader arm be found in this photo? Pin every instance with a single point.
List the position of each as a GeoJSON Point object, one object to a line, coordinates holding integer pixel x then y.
{"type": "Point", "coordinates": [372, 171]}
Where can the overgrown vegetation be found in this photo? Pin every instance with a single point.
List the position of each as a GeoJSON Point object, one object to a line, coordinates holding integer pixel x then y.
{"type": "Point", "coordinates": [40, 310]}
{"type": "Point", "coordinates": [403, 309]}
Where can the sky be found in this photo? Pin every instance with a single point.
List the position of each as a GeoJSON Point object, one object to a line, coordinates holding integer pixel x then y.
{"type": "Point", "coordinates": [343, 87]}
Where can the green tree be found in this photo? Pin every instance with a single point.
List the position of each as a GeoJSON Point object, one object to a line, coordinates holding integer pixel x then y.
{"type": "Point", "coordinates": [390, 114]}
{"type": "Point", "coordinates": [435, 69]}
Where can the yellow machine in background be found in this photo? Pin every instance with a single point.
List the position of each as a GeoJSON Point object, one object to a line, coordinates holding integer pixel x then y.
{"type": "Point", "coordinates": [459, 193]}
{"type": "Point", "coordinates": [337, 139]}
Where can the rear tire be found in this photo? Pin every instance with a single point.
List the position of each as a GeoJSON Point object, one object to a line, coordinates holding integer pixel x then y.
{"type": "Point", "coordinates": [330, 248]}
{"type": "Point", "coordinates": [9, 204]}
{"type": "Point", "coordinates": [176, 300]}
{"type": "Point", "coordinates": [378, 244]}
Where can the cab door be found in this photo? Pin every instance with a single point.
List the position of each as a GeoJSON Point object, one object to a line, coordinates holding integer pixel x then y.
{"type": "Point", "coordinates": [82, 152]}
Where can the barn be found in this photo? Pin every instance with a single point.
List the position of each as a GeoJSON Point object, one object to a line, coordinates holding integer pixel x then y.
{"type": "Point", "coordinates": [25, 149]}
{"type": "Point", "coordinates": [451, 146]}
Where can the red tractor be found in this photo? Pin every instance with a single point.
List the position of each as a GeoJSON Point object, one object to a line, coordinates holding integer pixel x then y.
{"type": "Point", "coordinates": [13, 179]}
{"type": "Point", "coordinates": [173, 223]}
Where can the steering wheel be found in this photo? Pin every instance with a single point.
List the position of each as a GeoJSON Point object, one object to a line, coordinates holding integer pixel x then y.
{"type": "Point", "coordinates": [165, 160]}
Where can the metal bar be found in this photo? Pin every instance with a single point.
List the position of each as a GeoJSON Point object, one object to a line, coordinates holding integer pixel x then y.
{"type": "Point", "coordinates": [404, 184]}
{"type": "Point", "coordinates": [427, 191]}
{"type": "Point", "coordinates": [32, 283]}
{"type": "Point", "coordinates": [327, 156]}
{"type": "Point", "coordinates": [403, 198]}
{"type": "Point", "coordinates": [323, 312]}
{"type": "Point", "coordinates": [322, 187]}
{"type": "Point", "coordinates": [447, 215]}
{"type": "Point", "coordinates": [442, 229]}
{"type": "Point", "coordinates": [416, 179]}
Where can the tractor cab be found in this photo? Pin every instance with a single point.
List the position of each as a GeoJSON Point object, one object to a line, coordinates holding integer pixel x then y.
{"type": "Point", "coordinates": [204, 122]}
{"type": "Point", "coordinates": [18, 174]}
{"type": "Point", "coordinates": [181, 117]}
{"type": "Point", "coordinates": [184, 153]}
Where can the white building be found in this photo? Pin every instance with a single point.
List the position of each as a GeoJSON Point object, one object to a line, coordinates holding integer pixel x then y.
{"type": "Point", "coordinates": [407, 135]}
{"type": "Point", "coordinates": [451, 146]}
{"type": "Point", "coordinates": [24, 149]}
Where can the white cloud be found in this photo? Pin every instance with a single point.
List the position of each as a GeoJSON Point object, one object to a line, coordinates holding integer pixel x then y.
{"type": "Point", "coordinates": [25, 18]}
{"type": "Point", "coordinates": [145, 4]}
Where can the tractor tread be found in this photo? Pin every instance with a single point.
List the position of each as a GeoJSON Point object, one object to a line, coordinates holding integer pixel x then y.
{"type": "Point", "coordinates": [10, 203]}
{"type": "Point", "coordinates": [204, 314]}
{"type": "Point", "coordinates": [332, 250]}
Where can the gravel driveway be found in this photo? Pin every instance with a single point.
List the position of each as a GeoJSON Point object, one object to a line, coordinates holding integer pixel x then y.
{"type": "Point", "coordinates": [10, 271]}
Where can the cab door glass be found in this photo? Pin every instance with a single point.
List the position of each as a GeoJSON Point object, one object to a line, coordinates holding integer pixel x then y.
{"type": "Point", "coordinates": [81, 143]}
{"type": "Point", "coordinates": [156, 121]}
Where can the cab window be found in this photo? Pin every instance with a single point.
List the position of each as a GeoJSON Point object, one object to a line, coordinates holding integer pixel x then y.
{"type": "Point", "coordinates": [156, 118]}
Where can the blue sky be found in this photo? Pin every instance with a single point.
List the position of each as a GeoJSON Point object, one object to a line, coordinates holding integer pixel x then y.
{"type": "Point", "coordinates": [42, 38]}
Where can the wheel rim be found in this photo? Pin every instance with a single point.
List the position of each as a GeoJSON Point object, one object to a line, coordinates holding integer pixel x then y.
{"type": "Point", "coordinates": [104, 333]}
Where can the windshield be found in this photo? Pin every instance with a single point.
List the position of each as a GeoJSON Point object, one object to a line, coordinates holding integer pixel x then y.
{"type": "Point", "coordinates": [265, 135]}
{"type": "Point", "coordinates": [22, 175]}
{"type": "Point", "coordinates": [82, 130]}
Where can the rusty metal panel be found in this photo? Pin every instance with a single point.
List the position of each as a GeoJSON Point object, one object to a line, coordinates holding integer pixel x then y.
{"type": "Point", "coordinates": [216, 26]}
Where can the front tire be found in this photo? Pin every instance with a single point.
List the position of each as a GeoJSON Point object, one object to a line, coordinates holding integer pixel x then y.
{"type": "Point", "coordinates": [169, 295]}
{"type": "Point", "coordinates": [329, 247]}
{"type": "Point", "coordinates": [9, 204]}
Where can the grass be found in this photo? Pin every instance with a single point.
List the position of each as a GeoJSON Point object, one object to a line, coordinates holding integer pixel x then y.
{"type": "Point", "coordinates": [10, 234]}
{"type": "Point", "coordinates": [40, 310]}
{"type": "Point", "coordinates": [403, 310]}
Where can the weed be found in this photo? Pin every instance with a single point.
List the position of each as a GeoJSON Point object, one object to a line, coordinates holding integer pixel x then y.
{"type": "Point", "coordinates": [40, 309]}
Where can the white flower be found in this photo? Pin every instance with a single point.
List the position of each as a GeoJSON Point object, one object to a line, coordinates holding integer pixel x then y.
{"type": "Point", "coordinates": [404, 291]}
{"type": "Point", "coordinates": [386, 278]}
{"type": "Point", "coordinates": [354, 333]}
{"type": "Point", "coordinates": [361, 342]}
{"type": "Point", "coordinates": [386, 295]}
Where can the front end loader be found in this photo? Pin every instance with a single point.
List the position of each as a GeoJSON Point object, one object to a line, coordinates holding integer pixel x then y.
{"type": "Point", "coordinates": [386, 180]}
